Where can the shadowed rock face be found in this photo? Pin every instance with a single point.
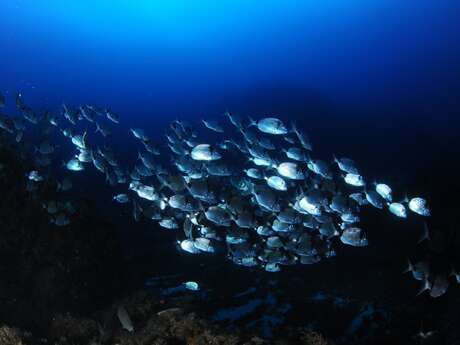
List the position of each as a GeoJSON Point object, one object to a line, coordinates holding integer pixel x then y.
{"type": "Point", "coordinates": [46, 269]}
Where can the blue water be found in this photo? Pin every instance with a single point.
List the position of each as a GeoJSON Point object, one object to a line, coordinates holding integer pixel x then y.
{"type": "Point", "coordinates": [152, 60]}
{"type": "Point", "coordinates": [376, 80]}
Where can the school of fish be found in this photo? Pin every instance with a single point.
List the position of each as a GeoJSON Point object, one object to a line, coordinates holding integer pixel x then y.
{"type": "Point", "coordinates": [256, 193]}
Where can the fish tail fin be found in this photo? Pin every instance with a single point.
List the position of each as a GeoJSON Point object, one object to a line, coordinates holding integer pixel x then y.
{"type": "Point", "coordinates": [409, 267]}
{"type": "Point", "coordinates": [294, 127]}
{"type": "Point", "coordinates": [162, 181]}
{"type": "Point", "coordinates": [425, 234]}
{"type": "Point", "coordinates": [405, 199]}
{"type": "Point", "coordinates": [426, 286]}
{"type": "Point", "coordinates": [252, 122]}
{"type": "Point", "coordinates": [334, 158]}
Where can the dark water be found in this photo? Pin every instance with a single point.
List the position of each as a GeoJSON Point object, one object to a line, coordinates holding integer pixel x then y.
{"type": "Point", "coordinates": [377, 81]}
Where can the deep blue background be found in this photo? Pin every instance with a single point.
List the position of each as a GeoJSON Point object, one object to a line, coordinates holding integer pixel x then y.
{"type": "Point", "coordinates": [377, 80]}
{"type": "Point", "coordinates": [155, 59]}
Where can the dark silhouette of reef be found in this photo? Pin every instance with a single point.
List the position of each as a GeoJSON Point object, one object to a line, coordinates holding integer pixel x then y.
{"type": "Point", "coordinates": [64, 285]}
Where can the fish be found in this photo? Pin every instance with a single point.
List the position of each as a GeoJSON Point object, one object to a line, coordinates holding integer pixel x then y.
{"type": "Point", "coordinates": [169, 223]}
{"type": "Point", "coordinates": [398, 209]}
{"type": "Point", "coordinates": [218, 216]}
{"type": "Point", "coordinates": [420, 270]}
{"type": "Point", "coordinates": [266, 143]}
{"type": "Point", "coordinates": [290, 170]}
{"type": "Point", "coordinates": [144, 191]}
{"type": "Point", "coordinates": [419, 206]}
{"type": "Point", "coordinates": [139, 134]}
{"type": "Point", "coordinates": [302, 138]}
{"type": "Point", "coordinates": [112, 116]}
{"type": "Point", "coordinates": [19, 101]}
{"type": "Point", "coordinates": [6, 124]}
{"type": "Point", "coordinates": [440, 286]}
{"type": "Point", "coordinates": [204, 244]}
{"type": "Point", "coordinates": [346, 165]}
{"type": "Point", "coordinates": [354, 180]}
{"type": "Point", "coordinates": [354, 237]}
{"type": "Point", "coordinates": [266, 199]}
{"type": "Point", "coordinates": [375, 199]}
{"type": "Point", "coordinates": [124, 319]}
{"type": "Point", "coordinates": [70, 115]}
{"type": "Point", "coordinates": [68, 132]}
{"type": "Point", "coordinates": [105, 132]}
{"type": "Point", "coordinates": [52, 119]}
{"type": "Point", "coordinates": [296, 153]}
{"type": "Point", "coordinates": [121, 198]}
{"type": "Point", "coordinates": [80, 141]}
{"type": "Point", "coordinates": [269, 125]}
{"type": "Point", "coordinates": [359, 198]}
{"type": "Point", "coordinates": [86, 114]}
{"type": "Point", "coordinates": [188, 246]}
{"type": "Point", "coordinates": [84, 156]}
{"type": "Point", "coordinates": [385, 191]}
{"type": "Point", "coordinates": [235, 121]}
{"type": "Point", "coordinates": [98, 161]}
{"type": "Point", "coordinates": [455, 275]}
{"type": "Point", "coordinates": [309, 207]}
{"type": "Point", "coordinates": [191, 285]}
{"type": "Point", "coordinates": [213, 125]}
{"type": "Point", "coordinates": [184, 203]}
{"type": "Point", "coordinates": [205, 152]}
{"type": "Point", "coordinates": [319, 167]}
{"type": "Point", "coordinates": [35, 176]}
{"type": "Point", "coordinates": [74, 165]}
{"type": "Point", "coordinates": [272, 267]}
{"type": "Point", "coordinates": [30, 115]}
{"type": "Point", "coordinates": [151, 147]}
{"type": "Point", "coordinates": [276, 183]}
{"type": "Point", "coordinates": [60, 219]}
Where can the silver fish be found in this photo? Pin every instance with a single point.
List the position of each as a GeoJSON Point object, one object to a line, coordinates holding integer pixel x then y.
{"type": "Point", "coordinates": [270, 125]}
{"type": "Point", "coordinates": [205, 152]}
{"type": "Point", "coordinates": [124, 319]}
{"type": "Point", "coordinates": [419, 206]}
